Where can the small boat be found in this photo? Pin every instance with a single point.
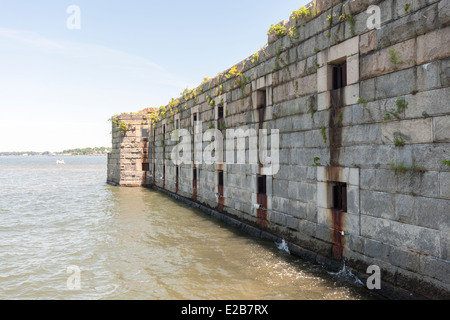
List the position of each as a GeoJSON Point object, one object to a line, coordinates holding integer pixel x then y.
{"type": "Point", "coordinates": [60, 161]}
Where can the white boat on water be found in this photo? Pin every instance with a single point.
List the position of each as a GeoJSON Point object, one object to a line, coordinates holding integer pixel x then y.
{"type": "Point", "coordinates": [60, 161]}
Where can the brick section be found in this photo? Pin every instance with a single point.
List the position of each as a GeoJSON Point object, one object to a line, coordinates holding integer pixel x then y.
{"type": "Point", "coordinates": [129, 151]}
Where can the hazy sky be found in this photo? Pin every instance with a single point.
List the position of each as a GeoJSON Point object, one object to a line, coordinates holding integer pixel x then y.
{"type": "Point", "coordinates": [58, 87]}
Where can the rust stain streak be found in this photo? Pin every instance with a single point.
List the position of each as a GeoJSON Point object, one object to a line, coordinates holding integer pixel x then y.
{"type": "Point", "coordinates": [336, 236]}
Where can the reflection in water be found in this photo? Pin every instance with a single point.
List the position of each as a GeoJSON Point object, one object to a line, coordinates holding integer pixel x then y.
{"type": "Point", "coordinates": [133, 243]}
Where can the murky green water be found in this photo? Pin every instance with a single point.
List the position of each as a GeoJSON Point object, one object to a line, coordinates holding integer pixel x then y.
{"type": "Point", "coordinates": [132, 243]}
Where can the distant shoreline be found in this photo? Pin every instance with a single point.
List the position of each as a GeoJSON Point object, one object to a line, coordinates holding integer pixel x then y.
{"type": "Point", "coordinates": [97, 151]}
{"type": "Point", "coordinates": [57, 155]}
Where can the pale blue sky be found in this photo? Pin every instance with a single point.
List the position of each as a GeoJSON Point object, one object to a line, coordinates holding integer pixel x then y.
{"type": "Point", "coordinates": [58, 86]}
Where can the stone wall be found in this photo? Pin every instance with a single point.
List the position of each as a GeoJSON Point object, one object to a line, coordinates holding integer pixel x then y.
{"type": "Point", "coordinates": [380, 141]}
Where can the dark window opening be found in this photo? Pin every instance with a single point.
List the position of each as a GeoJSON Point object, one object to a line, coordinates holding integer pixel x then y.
{"type": "Point", "coordinates": [262, 184]}
{"type": "Point", "coordinates": [261, 99]}
{"type": "Point", "coordinates": [339, 76]}
{"type": "Point", "coordinates": [195, 118]}
{"type": "Point", "coordinates": [220, 120]}
{"type": "Point", "coordinates": [340, 196]}
{"type": "Point", "coordinates": [164, 171]}
{"type": "Point", "coordinates": [220, 178]}
{"type": "Point", "coordinates": [145, 166]}
{"type": "Point", "coordinates": [194, 174]}
{"type": "Point", "coordinates": [176, 178]}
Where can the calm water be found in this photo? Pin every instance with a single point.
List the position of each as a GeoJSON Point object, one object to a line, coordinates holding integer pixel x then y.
{"type": "Point", "coordinates": [133, 243]}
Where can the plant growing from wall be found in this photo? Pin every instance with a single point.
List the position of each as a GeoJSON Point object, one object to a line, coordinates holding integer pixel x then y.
{"type": "Point", "coordinates": [255, 58]}
{"type": "Point", "coordinates": [210, 101]}
{"type": "Point", "coordinates": [400, 167]}
{"type": "Point", "coordinates": [239, 80]}
{"type": "Point", "coordinates": [400, 106]}
{"type": "Point", "coordinates": [323, 132]}
{"type": "Point", "coordinates": [395, 58]}
{"type": "Point", "coordinates": [219, 90]}
{"type": "Point", "coordinates": [330, 23]}
{"type": "Point", "coordinates": [279, 30]}
{"type": "Point", "coordinates": [361, 100]}
{"type": "Point", "coordinates": [311, 110]}
{"type": "Point", "coordinates": [285, 64]}
{"type": "Point", "coordinates": [417, 168]}
{"type": "Point", "coordinates": [292, 32]}
{"type": "Point", "coordinates": [120, 125]}
{"type": "Point", "coordinates": [316, 162]}
{"type": "Point", "coordinates": [351, 21]}
{"type": "Point", "coordinates": [223, 125]}
{"type": "Point", "coordinates": [406, 7]}
{"type": "Point", "coordinates": [398, 139]}
{"type": "Point", "coordinates": [302, 12]}
{"type": "Point", "coordinates": [365, 107]}
{"type": "Point", "coordinates": [446, 163]}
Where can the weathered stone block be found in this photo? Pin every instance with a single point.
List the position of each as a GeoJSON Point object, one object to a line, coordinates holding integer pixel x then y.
{"type": "Point", "coordinates": [444, 12]}
{"type": "Point", "coordinates": [368, 178]}
{"type": "Point", "coordinates": [351, 94]}
{"type": "Point", "coordinates": [445, 72]}
{"type": "Point", "coordinates": [385, 181]}
{"type": "Point", "coordinates": [323, 78]}
{"type": "Point", "coordinates": [353, 199]}
{"type": "Point", "coordinates": [376, 249]}
{"type": "Point", "coordinates": [323, 196]}
{"type": "Point", "coordinates": [444, 178]}
{"type": "Point", "coordinates": [362, 134]}
{"type": "Point", "coordinates": [353, 69]}
{"type": "Point", "coordinates": [323, 101]}
{"type": "Point", "coordinates": [442, 129]}
{"type": "Point", "coordinates": [396, 83]}
{"type": "Point", "coordinates": [344, 49]}
{"type": "Point", "coordinates": [405, 208]}
{"type": "Point", "coordinates": [423, 240]}
{"type": "Point", "coordinates": [435, 268]}
{"type": "Point", "coordinates": [368, 155]}
{"type": "Point", "coordinates": [434, 45]}
{"type": "Point", "coordinates": [428, 103]}
{"type": "Point", "coordinates": [407, 27]}
{"type": "Point", "coordinates": [381, 62]}
{"type": "Point", "coordinates": [368, 42]}
{"type": "Point", "coordinates": [433, 213]}
{"type": "Point", "coordinates": [428, 76]}
{"type": "Point", "coordinates": [404, 259]}
{"type": "Point", "coordinates": [367, 89]}
{"type": "Point", "coordinates": [378, 204]}
{"type": "Point", "coordinates": [411, 131]}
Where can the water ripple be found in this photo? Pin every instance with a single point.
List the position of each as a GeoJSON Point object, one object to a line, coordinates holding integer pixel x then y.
{"type": "Point", "coordinates": [132, 243]}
